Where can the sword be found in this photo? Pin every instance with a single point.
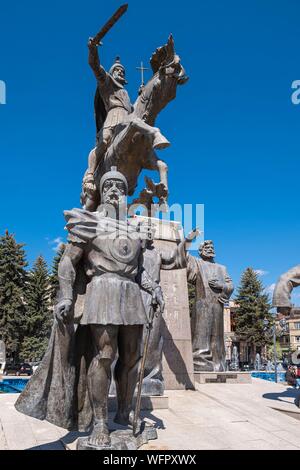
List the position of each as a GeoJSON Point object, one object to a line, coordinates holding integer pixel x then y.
{"type": "Point", "coordinates": [142, 370]}
{"type": "Point", "coordinates": [115, 17]}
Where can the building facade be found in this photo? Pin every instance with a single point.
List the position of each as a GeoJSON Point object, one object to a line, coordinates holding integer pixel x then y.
{"type": "Point", "coordinates": [290, 339]}
{"type": "Point", "coordinates": [246, 350]}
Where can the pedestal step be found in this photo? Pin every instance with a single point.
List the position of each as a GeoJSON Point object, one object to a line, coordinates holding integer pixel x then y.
{"type": "Point", "coordinates": [148, 403]}
{"type": "Point", "coordinates": [222, 377]}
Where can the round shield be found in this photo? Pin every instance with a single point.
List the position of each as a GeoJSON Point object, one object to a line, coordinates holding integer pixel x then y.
{"type": "Point", "coordinates": [124, 249]}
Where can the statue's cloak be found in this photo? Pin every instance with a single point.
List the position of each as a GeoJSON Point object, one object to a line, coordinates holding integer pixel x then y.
{"type": "Point", "coordinates": [100, 111]}
{"type": "Point", "coordinates": [57, 392]}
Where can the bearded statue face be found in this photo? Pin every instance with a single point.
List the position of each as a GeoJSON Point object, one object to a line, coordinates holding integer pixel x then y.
{"type": "Point", "coordinates": [206, 250]}
{"type": "Point", "coordinates": [119, 75]}
{"type": "Point", "coordinates": [113, 192]}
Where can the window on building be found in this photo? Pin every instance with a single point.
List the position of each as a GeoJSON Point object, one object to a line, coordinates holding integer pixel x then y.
{"type": "Point", "coordinates": [232, 321]}
{"type": "Point", "coordinates": [297, 325]}
{"type": "Point", "coordinates": [297, 339]}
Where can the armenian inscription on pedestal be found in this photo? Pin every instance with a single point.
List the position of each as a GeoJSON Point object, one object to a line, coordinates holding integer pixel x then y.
{"type": "Point", "coordinates": [176, 329]}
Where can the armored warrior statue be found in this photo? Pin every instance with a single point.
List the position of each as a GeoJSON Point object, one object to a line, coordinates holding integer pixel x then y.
{"type": "Point", "coordinates": [213, 289]}
{"type": "Point", "coordinates": [113, 112]}
{"type": "Point", "coordinates": [156, 259]}
{"type": "Point", "coordinates": [103, 261]}
{"type": "Point", "coordinates": [284, 288]}
{"type": "Point", "coordinates": [126, 136]}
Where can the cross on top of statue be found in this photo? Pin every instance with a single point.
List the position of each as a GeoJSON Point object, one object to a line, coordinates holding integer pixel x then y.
{"type": "Point", "coordinates": [142, 69]}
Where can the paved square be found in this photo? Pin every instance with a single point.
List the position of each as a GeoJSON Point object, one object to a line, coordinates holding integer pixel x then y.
{"type": "Point", "coordinates": [261, 415]}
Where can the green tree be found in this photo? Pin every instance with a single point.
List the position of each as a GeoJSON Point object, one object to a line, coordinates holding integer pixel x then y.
{"type": "Point", "coordinates": [54, 283]}
{"type": "Point", "coordinates": [12, 284]}
{"type": "Point", "coordinates": [252, 308]}
{"type": "Point", "coordinates": [38, 318]}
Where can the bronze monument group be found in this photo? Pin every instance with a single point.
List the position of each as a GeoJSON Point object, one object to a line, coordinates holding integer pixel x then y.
{"type": "Point", "coordinates": [109, 276]}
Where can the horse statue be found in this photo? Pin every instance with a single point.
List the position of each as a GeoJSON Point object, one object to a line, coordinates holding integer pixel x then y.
{"type": "Point", "coordinates": [128, 138]}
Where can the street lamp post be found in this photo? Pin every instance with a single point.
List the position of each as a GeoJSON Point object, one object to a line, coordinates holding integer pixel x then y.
{"type": "Point", "coordinates": [284, 328]}
{"type": "Point", "coordinates": [275, 353]}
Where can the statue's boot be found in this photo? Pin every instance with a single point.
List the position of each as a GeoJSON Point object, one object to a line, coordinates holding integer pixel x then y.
{"type": "Point", "coordinates": [160, 142]}
{"type": "Point", "coordinates": [125, 419]}
{"type": "Point", "coordinates": [99, 436]}
{"type": "Point", "coordinates": [122, 417]}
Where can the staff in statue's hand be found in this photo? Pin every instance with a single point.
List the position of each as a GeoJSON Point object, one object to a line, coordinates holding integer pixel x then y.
{"type": "Point", "coordinates": [157, 307]}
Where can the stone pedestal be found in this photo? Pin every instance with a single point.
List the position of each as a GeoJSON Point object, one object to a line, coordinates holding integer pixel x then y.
{"type": "Point", "coordinates": [122, 439]}
{"type": "Point", "coordinates": [177, 361]}
{"type": "Point", "coordinates": [223, 377]}
{"type": "Point", "coordinates": [177, 347]}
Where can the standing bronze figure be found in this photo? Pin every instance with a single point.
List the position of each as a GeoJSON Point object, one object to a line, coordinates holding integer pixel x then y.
{"type": "Point", "coordinates": [213, 289]}
{"type": "Point", "coordinates": [103, 263]}
{"type": "Point", "coordinates": [157, 259]}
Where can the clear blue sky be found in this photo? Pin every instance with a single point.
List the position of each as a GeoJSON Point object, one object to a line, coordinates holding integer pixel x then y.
{"type": "Point", "coordinates": [233, 127]}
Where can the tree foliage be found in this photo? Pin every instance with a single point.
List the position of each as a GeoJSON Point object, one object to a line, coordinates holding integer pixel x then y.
{"type": "Point", "coordinates": [38, 318]}
{"type": "Point", "coordinates": [253, 308]}
{"type": "Point", "coordinates": [54, 283]}
{"type": "Point", "coordinates": [12, 283]}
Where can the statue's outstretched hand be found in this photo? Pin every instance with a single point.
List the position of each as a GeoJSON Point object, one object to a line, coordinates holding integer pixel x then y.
{"type": "Point", "coordinates": [192, 235]}
{"type": "Point", "coordinates": [62, 310]}
{"type": "Point", "coordinates": [92, 43]}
